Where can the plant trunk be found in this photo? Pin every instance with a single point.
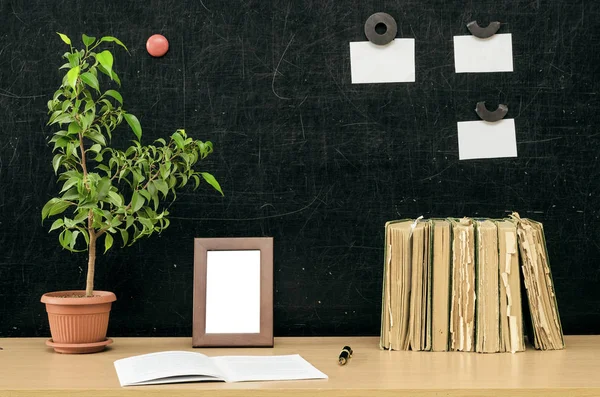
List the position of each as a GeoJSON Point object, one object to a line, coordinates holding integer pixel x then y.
{"type": "Point", "coordinates": [89, 285]}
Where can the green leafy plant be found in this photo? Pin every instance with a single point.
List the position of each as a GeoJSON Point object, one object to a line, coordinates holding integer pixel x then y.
{"type": "Point", "coordinates": [106, 191]}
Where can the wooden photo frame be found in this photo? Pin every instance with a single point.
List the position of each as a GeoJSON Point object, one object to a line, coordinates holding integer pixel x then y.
{"type": "Point", "coordinates": [233, 292]}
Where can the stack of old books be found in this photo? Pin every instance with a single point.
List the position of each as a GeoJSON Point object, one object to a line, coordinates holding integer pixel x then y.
{"type": "Point", "coordinates": [455, 285]}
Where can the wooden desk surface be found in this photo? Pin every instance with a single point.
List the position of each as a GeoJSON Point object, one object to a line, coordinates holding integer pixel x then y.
{"type": "Point", "coordinates": [28, 367]}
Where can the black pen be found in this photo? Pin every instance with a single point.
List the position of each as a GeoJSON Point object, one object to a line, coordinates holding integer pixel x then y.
{"type": "Point", "coordinates": [345, 355]}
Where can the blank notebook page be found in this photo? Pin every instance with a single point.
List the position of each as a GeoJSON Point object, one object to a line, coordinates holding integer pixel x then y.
{"type": "Point", "coordinates": [262, 368]}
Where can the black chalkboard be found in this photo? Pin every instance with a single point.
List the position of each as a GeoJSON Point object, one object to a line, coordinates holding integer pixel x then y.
{"type": "Point", "coordinates": [303, 155]}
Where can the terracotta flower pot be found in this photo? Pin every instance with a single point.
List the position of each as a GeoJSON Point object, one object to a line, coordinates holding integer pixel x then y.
{"type": "Point", "coordinates": [78, 324]}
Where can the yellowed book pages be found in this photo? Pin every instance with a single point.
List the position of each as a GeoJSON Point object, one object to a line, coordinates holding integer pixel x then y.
{"type": "Point", "coordinates": [396, 285]}
{"type": "Point", "coordinates": [440, 321]}
{"type": "Point", "coordinates": [511, 314]}
{"type": "Point", "coordinates": [487, 303]}
{"type": "Point", "coordinates": [547, 328]}
{"type": "Point", "coordinates": [462, 312]}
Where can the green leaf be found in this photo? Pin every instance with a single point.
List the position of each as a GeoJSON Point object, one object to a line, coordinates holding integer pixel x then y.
{"type": "Point", "coordinates": [65, 238]}
{"type": "Point", "coordinates": [108, 242]}
{"type": "Point", "coordinates": [54, 116]}
{"type": "Point", "coordinates": [74, 128]}
{"type": "Point", "coordinates": [60, 142]}
{"type": "Point", "coordinates": [82, 216]}
{"type": "Point", "coordinates": [103, 188]}
{"type": "Point", "coordinates": [124, 236]}
{"type": "Point", "coordinates": [185, 157]}
{"type": "Point", "coordinates": [165, 171]}
{"type": "Point", "coordinates": [57, 223]}
{"type": "Point", "coordinates": [146, 223]}
{"type": "Point", "coordinates": [146, 194]}
{"type": "Point", "coordinates": [172, 181]}
{"type": "Point", "coordinates": [111, 74]}
{"type": "Point", "coordinates": [72, 76]}
{"type": "Point", "coordinates": [87, 40]}
{"type": "Point", "coordinates": [206, 148]}
{"type": "Point", "coordinates": [74, 239]}
{"type": "Point", "coordinates": [87, 119]}
{"type": "Point", "coordinates": [69, 223]}
{"type": "Point", "coordinates": [162, 187]}
{"type": "Point", "coordinates": [56, 161]}
{"type": "Point", "coordinates": [63, 119]}
{"type": "Point", "coordinates": [58, 208]}
{"type": "Point", "coordinates": [69, 184]}
{"type": "Point", "coordinates": [65, 105]}
{"type": "Point", "coordinates": [89, 104]}
{"type": "Point", "coordinates": [115, 95]}
{"type": "Point", "coordinates": [115, 199]}
{"type": "Point", "coordinates": [196, 181]}
{"type": "Point", "coordinates": [95, 148]}
{"type": "Point", "coordinates": [71, 194]}
{"type": "Point", "coordinates": [64, 38]}
{"type": "Point", "coordinates": [134, 123]}
{"type": "Point", "coordinates": [178, 140]}
{"type": "Point", "coordinates": [212, 181]}
{"type": "Point", "coordinates": [48, 206]}
{"type": "Point", "coordinates": [91, 80]}
{"type": "Point", "coordinates": [105, 59]}
{"type": "Point", "coordinates": [73, 59]}
{"type": "Point", "coordinates": [96, 137]}
{"type": "Point", "coordinates": [137, 201]}
{"type": "Point", "coordinates": [114, 39]}
{"type": "Point", "coordinates": [184, 180]}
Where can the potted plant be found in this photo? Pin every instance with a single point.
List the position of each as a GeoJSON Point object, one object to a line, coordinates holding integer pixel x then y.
{"type": "Point", "coordinates": [104, 191]}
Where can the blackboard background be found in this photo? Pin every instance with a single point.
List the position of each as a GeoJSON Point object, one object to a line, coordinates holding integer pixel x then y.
{"type": "Point", "coordinates": [303, 155]}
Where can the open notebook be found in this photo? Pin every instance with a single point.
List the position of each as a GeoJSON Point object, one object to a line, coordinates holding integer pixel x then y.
{"type": "Point", "coordinates": [184, 366]}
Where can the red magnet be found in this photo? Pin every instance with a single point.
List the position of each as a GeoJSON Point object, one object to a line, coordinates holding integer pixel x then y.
{"type": "Point", "coordinates": [157, 45]}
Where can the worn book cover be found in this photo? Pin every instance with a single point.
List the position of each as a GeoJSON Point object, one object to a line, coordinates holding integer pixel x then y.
{"type": "Point", "coordinates": [420, 298]}
{"type": "Point", "coordinates": [395, 308]}
{"type": "Point", "coordinates": [487, 303]}
{"type": "Point", "coordinates": [440, 291]}
{"type": "Point", "coordinates": [511, 314]}
{"type": "Point", "coordinates": [546, 327]}
{"type": "Point", "coordinates": [462, 309]}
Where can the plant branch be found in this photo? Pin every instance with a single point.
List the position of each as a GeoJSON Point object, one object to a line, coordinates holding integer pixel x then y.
{"type": "Point", "coordinates": [101, 232]}
{"type": "Point", "coordinates": [83, 161]}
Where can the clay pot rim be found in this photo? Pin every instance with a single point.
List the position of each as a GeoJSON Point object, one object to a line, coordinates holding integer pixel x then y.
{"type": "Point", "coordinates": [57, 298]}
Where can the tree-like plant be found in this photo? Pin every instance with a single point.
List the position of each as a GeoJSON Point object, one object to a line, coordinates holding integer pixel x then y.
{"type": "Point", "coordinates": [106, 191]}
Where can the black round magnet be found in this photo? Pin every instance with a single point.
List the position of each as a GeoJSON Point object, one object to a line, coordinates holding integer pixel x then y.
{"type": "Point", "coordinates": [390, 28]}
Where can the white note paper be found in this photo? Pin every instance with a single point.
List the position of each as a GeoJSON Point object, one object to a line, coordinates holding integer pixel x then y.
{"type": "Point", "coordinates": [485, 140]}
{"type": "Point", "coordinates": [475, 55]}
{"type": "Point", "coordinates": [390, 63]}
